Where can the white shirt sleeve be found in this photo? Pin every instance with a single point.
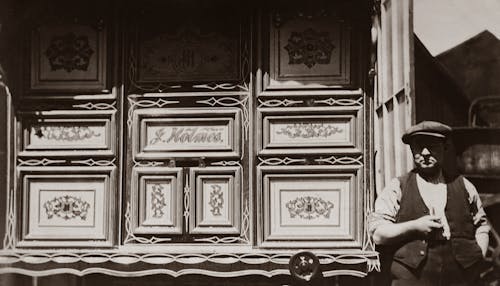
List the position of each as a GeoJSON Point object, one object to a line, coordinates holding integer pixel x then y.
{"type": "Point", "coordinates": [477, 211]}
{"type": "Point", "coordinates": [386, 206]}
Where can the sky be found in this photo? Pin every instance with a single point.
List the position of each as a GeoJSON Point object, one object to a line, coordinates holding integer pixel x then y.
{"type": "Point", "coordinates": [443, 24]}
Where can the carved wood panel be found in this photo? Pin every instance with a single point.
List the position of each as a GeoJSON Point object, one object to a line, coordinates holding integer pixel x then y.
{"type": "Point", "coordinates": [67, 207]}
{"type": "Point", "coordinates": [68, 132]}
{"type": "Point", "coordinates": [299, 130]}
{"type": "Point", "coordinates": [216, 200]}
{"type": "Point", "coordinates": [181, 48]}
{"type": "Point", "coordinates": [309, 48]}
{"type": "Point", "coordinates": [157, 200]}
{"type": "Point", "coordinates": [178, 132]}
{"type": "Point", "coordinates": [68, 57]}
{"type": "Point", "coordinates": [310, 206]}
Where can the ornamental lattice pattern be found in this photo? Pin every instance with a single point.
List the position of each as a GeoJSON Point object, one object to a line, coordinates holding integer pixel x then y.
{"type": "Point", "coordinates": [309, 47]}
{"type": "Point", "coordinates": [67, 207]}
{"type": "Point", "coordinates": [309, 208]}
{"type": "Point", "coordinates": [309, 130]}
{"type": "Point", "coordinates": [69, 52]}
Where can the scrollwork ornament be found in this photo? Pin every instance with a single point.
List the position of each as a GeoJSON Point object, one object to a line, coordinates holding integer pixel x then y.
{"type": "Point", "coordinates": [277, 102]}
{"type": "Point", "coordinates": [309, 208]}
{"type": "Point", "coordinates": [341, 102]}
{"type": "Point", "coordinates": [334, 160]}
{"type": "Point", "coordinates": [310, 48]}
{"type": "Point", "coordinates": [69, 52]}
{"type": "Point", "coordinates": [67, 207]}
{"type": "Point", "coordinates": [280, 161]}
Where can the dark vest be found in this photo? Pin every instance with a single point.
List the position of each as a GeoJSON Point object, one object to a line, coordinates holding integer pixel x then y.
{"type": "Point", "coordinates": [458, 213]}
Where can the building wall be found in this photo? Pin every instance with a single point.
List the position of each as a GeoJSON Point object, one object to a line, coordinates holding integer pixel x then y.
{"type": "Point", "coordinates": [437, 96]}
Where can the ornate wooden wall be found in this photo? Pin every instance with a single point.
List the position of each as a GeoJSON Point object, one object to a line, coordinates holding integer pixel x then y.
{"type": "Point", "coordinates": [191, 138]}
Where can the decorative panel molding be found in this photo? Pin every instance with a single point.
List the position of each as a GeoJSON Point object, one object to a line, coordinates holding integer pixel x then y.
{"type": "Point", "coordinates": [68, 57]}
{"type": "Point", "coordinates": [311, 206]}
{"type": "Point", "coordinates": [315, 130]}
{"type": "Point", "coordinates": [156, 200]}
{"type": "Point", "coordinates": [67, 207]}
{"type": "Point", "coordinates": [186, 132]}
{"type": "Point", "coordinates": [216, 200]}
{"type": "Point", "coordinates": [308, 52]}
{"type": "Point", "coordinates": [68, 132]}
{"type": "Point", "coordinates": [183, 50]}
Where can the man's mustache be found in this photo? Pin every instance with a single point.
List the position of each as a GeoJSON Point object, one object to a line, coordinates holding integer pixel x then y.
{"type": "Point", "coordinates": [426, 160]}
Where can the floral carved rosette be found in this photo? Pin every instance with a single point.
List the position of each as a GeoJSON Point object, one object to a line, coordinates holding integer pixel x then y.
{"type": "Point", "coordinates": [309, 207]}
{"type": "Point", "coordinates": [67, 207]}
{"type": "Point", "coordinates": [309, 47]}
{"type": "Point", "coordinates": [69, 52]}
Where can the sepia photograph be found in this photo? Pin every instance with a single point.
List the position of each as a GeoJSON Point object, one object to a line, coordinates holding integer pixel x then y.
{"type": "Point", "coordinates": [262, 143]}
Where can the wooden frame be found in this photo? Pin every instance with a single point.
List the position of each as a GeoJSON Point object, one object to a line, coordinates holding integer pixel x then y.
{"type": "Point", "coordinates": [186, 132]}
{"type": "Point", "coordinates": [79, 204]}
{"type": "Point", "coordinates": [219, 211]}
{"type": "Point", "coordinates": [209, 51]}
{"type": "Point", "coordinates": [305, 130]}
{"type": "Point", "coordinates": [68, 133]}
{"type": "Point", "coordinates": [68, 57]}
{"type": "Point", "coordinates": [162, 189]}
{"type": "Point", "coordinates": [326, 65]}
{"type": "Point", "coordinates": [286, 191]}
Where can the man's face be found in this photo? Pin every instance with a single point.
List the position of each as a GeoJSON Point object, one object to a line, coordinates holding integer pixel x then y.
{"type": "Point", "coordinates": [428, 153]}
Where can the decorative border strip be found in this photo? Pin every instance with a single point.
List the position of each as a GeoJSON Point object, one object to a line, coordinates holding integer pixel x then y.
{"type": "Point", "coordinates": [219, 240]}
{"type": "Point", "coordinates": [341, 102]}
{"type": "Point", "coordinates": [332, 160]}
{"type": "Point", "coordinates": [91, 162]}
{"type": "Point", "coordinates": [10, 257]}
{"type": "Point", "coordinates": [223, 86]}
{"type": "Point", "coordinates": [277, 102]}
{"type": "Point", "coordinates": [10, 222]}
{"type": "Point", "coordinates": [36, 162]}
{"type": "Point", "coordinates": [175, 274]}
{"type": "Point", "coordinates": [187, 199]}
{"type": "Point", "coordinates": [147, 163]}
{"type": "Point", "coordinates": [96, 106]}
{"type": "Point", "coordinates": [227, 163]}
{"type": "Point", "coordinates": [245, 222]}
{"type": "Point", "coordinates": [279, 161]}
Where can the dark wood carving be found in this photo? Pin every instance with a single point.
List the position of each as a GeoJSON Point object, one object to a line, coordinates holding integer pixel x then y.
{"type": "Point", "coordinates": [309, 49]}
{"type": "Point", "coordinates": [69, 52]}
{"type": "Point", "coordinates": [68, 58]}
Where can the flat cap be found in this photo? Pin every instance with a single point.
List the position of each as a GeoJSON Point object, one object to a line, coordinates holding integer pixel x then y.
{"type": "Point", "coordinates": [429, 128]}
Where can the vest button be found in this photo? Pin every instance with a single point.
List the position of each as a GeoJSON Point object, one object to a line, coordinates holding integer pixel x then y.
{"type": "Point", "coordinates": [422, 252]}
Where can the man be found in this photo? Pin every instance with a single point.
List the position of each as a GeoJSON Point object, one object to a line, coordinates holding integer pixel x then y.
{"type": "Point", "coordinates": [430, 227]}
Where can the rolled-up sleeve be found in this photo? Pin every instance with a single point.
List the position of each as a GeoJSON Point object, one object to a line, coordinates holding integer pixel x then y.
{"type": "Point", "coordinates": [386, 206]}
{"type": "Point", "coordinates": [478, 214]}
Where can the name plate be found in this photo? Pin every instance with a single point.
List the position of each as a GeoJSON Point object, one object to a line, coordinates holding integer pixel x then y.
{"type": "Point", "coordinates": [174, 133]}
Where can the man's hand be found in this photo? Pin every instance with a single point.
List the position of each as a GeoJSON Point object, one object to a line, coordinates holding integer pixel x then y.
{"type": "Point", "coordinates": [426, 224]}
{"type": "Point", "coordinates": [393, 232]}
